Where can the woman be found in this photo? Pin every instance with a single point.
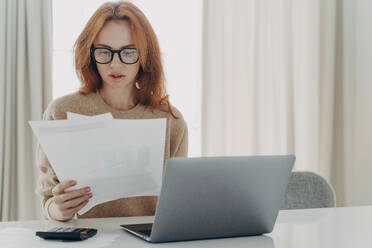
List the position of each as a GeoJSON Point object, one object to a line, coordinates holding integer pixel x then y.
{"type": "Point", "coordinates": [117, 59]}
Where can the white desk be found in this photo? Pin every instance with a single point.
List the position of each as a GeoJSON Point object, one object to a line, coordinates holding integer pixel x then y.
{"type": "Point", "coordinates": [315, 228]}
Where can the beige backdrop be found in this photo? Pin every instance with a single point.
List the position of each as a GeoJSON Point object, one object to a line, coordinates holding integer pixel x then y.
{"type": "Point", "coordinates": [25, 90]}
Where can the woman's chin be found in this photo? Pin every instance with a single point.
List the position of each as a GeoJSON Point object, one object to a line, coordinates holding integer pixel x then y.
{"type": "Point", "coordinates": [118, 84]}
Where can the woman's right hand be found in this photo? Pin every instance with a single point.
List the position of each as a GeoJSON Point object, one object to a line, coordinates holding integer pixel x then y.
{"type": "Point", "coordinates": [65, 204]}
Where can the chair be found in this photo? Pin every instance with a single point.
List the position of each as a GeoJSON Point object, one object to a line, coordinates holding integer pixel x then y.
{"type": "Point", "coordinates": [308, 190]}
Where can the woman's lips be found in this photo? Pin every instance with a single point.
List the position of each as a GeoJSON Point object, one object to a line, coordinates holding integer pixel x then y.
{"type": "Point", "coordinates": [117, 77]}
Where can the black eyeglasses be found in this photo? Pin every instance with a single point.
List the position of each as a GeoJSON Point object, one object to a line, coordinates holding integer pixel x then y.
{"type": "Point", "coordinates": [103, 55]}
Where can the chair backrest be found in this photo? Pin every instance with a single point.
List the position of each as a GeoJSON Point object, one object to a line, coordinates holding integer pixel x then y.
{"type": "Point", "coordinates": [308, 190]}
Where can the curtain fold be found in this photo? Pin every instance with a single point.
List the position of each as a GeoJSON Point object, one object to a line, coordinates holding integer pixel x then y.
{"type": "Point", "coordinates": [25, 81]}
{"type": "Point", "coordinates": [277, 80]}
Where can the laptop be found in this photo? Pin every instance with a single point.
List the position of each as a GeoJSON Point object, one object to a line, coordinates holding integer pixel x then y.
{"type": "Point", "coordinates": [217, 197]}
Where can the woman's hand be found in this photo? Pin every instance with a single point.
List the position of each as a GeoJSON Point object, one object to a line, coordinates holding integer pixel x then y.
{"type": "Point", "coordinates": [66, 204]}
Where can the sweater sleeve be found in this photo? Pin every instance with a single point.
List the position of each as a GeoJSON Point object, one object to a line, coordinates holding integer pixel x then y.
{"type": "Point", "coordinates": [179, 136]}
{"type": "Point", "coordinates": [47, 179]}
{"type": "Point", "coordinates": [182, 149]}
{"type": "Point", "coordinates": [46, 182]}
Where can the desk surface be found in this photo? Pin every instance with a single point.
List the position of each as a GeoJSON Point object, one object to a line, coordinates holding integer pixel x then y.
{"type": "Point", "coordinates": [333, 227]}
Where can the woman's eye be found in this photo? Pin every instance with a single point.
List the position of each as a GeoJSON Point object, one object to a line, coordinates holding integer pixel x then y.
{"type": "Point", "coordinates": [104, 53]}
{"type": "Point", "coordinates": [129, 53]}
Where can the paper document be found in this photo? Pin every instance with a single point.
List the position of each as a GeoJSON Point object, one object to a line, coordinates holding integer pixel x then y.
{"type": "Point", "coordinates": [74, 116]}
{"type": "Point", "coordinates": [115, 157]}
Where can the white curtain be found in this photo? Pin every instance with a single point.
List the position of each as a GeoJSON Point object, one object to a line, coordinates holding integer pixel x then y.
{"type": "Point", "coordinates": [279, 78]}
{"type": "Point", "coordinates": [25, 90]}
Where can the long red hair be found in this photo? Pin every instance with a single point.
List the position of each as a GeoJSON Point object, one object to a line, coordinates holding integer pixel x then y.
{"type": "Point", "coordinates": [150, 75]}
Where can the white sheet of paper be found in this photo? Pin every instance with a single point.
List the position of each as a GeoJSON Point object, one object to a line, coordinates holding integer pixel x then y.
{"type": "Point", "coordinates": [75, 116]}
{"type": "Point", "coordinates": [116, 158]}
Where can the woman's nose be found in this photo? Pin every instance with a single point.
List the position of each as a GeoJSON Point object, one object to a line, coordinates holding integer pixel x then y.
{"type": "Point", "coordinates": [115, 60]}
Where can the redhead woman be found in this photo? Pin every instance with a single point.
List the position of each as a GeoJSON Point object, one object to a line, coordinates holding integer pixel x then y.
{"type": "Point", "coordinates": [118, 62]}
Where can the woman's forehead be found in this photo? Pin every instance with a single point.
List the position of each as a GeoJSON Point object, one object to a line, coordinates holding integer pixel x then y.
{"type": "Point", "coordinates": [115, 34]}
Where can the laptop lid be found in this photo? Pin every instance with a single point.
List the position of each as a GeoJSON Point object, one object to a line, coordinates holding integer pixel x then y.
{"type": "Point", "coordinates": [215, 197]}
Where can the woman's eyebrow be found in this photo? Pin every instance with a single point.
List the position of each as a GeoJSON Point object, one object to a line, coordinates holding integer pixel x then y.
{"type": "Point", "coordinates": [103, 45]}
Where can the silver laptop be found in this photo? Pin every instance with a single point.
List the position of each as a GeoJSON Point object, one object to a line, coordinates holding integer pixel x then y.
{"type": "Point", "coordinates": [217, 197]}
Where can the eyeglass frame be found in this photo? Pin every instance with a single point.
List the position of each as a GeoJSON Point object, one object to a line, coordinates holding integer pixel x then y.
{"type": "Point", "coordinates": [93, 49]}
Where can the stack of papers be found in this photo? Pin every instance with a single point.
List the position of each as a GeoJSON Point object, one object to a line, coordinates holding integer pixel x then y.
{"type": "Point", "coordinates": [116, 158]}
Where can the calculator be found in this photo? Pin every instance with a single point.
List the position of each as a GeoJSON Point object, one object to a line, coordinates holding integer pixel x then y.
{"type": "Point", "coordinates": [67, 233]}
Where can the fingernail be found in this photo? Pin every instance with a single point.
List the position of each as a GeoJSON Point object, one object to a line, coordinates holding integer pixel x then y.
{"type": "Point", "coordinates": [87, 189]}
{"type": "Point", "coordinates": [73, 182]}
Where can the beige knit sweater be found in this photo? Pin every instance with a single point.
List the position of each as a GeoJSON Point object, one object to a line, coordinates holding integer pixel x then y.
{"type": "Point", "coordinates": [92, 104]}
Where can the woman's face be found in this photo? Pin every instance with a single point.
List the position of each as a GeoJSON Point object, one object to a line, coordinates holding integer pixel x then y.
{"type": "Point", "coordinates": [116, 35]}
